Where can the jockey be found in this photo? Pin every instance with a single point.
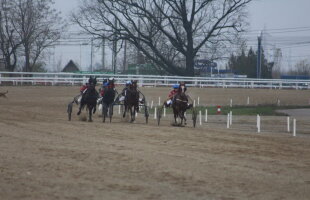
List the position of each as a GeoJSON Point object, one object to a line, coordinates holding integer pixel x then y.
{"type": "Point", "coordinates": [172, 94]}
{"type": "Point", "coordinates": [111, 83]}
{"type": "Point", "coordinates": [103, 89]}
{"type": "Point", "coordinates": [127, 86]}
{"type": "Point", "coordinates": [84, 87]}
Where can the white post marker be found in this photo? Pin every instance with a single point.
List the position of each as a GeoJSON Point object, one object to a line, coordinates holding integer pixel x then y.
{"type": "Point", "coordinates": [230, 102]}
{"type": "Point", "coordinates": [206, 116]}
{"type": "Point", "coordinates": [248, 101]}
{"type": "Point", "coordinates": [294, 127]}
{"type": "Point", "coordinates": [198, 101]}
{"type": "Point", "coordinates": [155, 113]}
{"type": "Point", "coordinates": [288, 124]}
{"type": "Point", "coordinates": [136, 114]}
{"type": "Point", "coordinates": [164, 111]}
{"type": "Point", "coordinates": [230, 118]}
{"type": "Point", "coordinates": [152, 104]}
{"type": "Point", "coordinates": [200, 122]}
{"type": "Point", "coordinates": [258, 124]}
{"type": "Point", "coordinates": [119, 109]}
{"type": "Point", "coordinates": [158, 101]}
{"type": "Point", "coordinates": [194, 103]}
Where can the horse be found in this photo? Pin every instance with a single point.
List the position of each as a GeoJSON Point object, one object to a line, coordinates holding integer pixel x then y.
{"type": "Point", "coordinates": [131, 101]}
{"type": "Point", "coordinates": [180, 104]}
{"type": "Point", "coordinates": [89, 98]}
{"type": "Point", "coordinates": [108, 99]}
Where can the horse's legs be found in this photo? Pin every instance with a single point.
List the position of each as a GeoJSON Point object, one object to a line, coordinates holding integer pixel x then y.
{"type": "Point", "coordinates": [80, 108]}
{"type": "Point", "coordinates": [184, 118]}
{"type": "Point", "coordinates": [175, 116]}
{"type": "Point", "coordinates": [131, 112]}
{"type": "Point", "coordinates": [90, 108]}
{"type": "Point", "coordinates": [125, 110]}
{"type": "Point", "coordinates": [94, 108]}
{"type": "Point", "coordinates": [134, 114]}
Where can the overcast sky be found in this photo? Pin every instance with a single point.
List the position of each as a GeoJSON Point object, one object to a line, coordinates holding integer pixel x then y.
{"type": "Point", "coordinates": [286, 24]}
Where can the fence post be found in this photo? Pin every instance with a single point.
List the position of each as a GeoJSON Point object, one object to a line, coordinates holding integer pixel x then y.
{"type": "Point", "coordinates": [155, 113]}
{"type": "Point", "coordinates": [164, 111]}
{"type": "Point", "coordinates": [230, 119]}
{"type": "Point", "coordinates": [206, 116]}
{"type": "Point", "coordinates": [294, 127]}
{"type": "Point", "coordinates": [258, 124]}
{"type": "Point", "coordinates": [288, 124]}
{"type": "Point", "coordinates": [200, 123]}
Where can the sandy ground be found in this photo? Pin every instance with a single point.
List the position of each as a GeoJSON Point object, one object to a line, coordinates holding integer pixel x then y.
{"type": "Point", "coordinates": [44, 156]}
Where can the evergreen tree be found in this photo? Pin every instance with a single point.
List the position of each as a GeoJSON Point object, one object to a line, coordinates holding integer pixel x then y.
{"type": "Point", "coordinates": [245, 64]}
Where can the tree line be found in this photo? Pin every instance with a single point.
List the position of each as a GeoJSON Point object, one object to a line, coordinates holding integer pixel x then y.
{"type": "Point", "coordinates": [27, 29]}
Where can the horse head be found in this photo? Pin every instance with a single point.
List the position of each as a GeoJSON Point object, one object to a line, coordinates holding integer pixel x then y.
{"type": "Point", "coordinates": [134, 85]}
{"type": "Point", "coordinates": [182, 88]}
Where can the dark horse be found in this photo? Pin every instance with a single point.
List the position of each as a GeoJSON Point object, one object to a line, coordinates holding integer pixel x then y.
{"type": "Point", "coordinates": [131, 101]}
{"type": "Point", "coordinates": [107, 100]}
{"type": "Point", "coordinates": [180, 104]}
{"type": "Point", "coordinates": [89, 98]}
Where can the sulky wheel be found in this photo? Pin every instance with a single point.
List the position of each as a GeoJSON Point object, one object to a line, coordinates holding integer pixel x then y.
{"type": "Point", "coordinates": [159, 112]}
{"type": "Point", "coordinates": [194, 116]}
{"type": "Point", "coordinates": [146, 114]}
{"type": "Point", "coordinates": [69, 110]}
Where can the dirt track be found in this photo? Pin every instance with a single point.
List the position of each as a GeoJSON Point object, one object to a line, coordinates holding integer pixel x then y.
{"type": "Point", "coordinates": [43, 156]}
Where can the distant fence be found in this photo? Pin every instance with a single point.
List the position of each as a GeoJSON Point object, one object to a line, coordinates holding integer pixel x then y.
{"type": "Point", "coordinates": [24, 78]}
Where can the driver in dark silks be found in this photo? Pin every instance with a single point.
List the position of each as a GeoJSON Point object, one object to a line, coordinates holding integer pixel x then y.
{"type": "Point", "coordinates": [124, 91]}
{"type": "Point", "coordinates": [83, 90]}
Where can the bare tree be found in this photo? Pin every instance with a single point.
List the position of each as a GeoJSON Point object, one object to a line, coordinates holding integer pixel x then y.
{"type": "Point", "coordinates": [170, 33]}
{"type": "Point", "coordinates": [9, 40]}
{"type": "Point", "coordinates": [38, 25]}
{"type": "Point", "coordinates": [302, 68]}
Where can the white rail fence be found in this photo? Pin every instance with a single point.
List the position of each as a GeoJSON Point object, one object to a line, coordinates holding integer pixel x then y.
{"type": "Point", "coordinates": [23, 78]}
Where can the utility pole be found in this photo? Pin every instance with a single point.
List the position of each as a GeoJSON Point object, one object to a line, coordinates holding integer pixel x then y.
{"type": "Point", "coordinates": [125, 56]}
{"type": "Point", "coordinates": [103, 53]}
{"type": "Point", "coordinates": [91, 55]}
{"type": "Point", "coordinates": [258, 65]}
{"type": "Point", "coordinates": [114, 49]}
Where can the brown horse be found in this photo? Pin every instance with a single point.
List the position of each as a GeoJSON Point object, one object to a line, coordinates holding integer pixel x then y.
{"type": "Point", "coordinates": [89, 98]}
{"type": "Point", "coordinates": [180, 104]}
{"type": "Point", "coordinates": [131, 101]}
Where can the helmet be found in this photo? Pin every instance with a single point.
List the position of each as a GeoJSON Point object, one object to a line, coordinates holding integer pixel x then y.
{"type": "Point", "coordinates": [175, 86]}
{"type": "Point", "coordinates": [111, 79]}
{"type": "Point", "coordinates": [128, 82]}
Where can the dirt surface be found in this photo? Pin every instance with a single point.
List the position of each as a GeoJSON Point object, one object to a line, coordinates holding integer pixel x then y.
{"type": "Point", "coordinates": [44, 156]}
